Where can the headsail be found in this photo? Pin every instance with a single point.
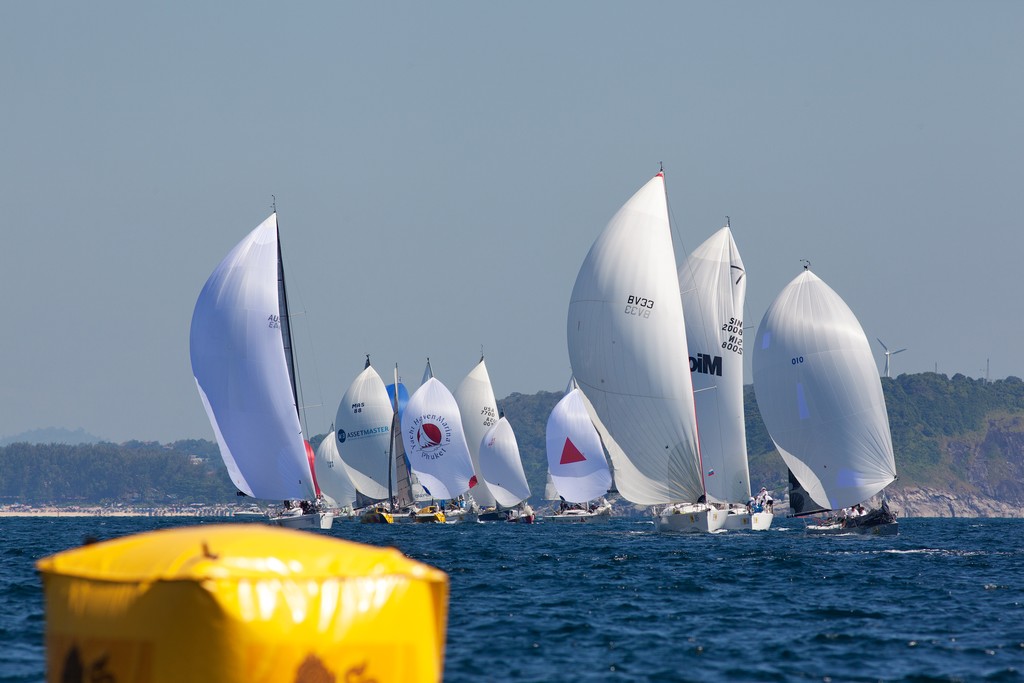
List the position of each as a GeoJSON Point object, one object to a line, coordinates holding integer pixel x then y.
{"type": "Point", "coordinates": [713, 285]}
{"type": "Point", "coordinates": [819, 394]}
{"type": "Point", "coordinates": [627, 341]}
{"type": "Point", "coordinates": [241, 370]}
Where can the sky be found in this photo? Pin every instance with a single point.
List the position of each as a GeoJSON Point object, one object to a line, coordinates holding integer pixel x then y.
{"type": "Point", "coordinates": [440, 171]}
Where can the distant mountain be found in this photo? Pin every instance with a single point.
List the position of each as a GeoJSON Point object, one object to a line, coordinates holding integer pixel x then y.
{"type": "Point", "coordinates": [959, 445]}
{"type": "Point", "coordinates": [52, 435]}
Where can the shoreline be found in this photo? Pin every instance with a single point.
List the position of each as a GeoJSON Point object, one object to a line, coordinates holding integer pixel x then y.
{"type": "Point", "coordinates": [18, 510]}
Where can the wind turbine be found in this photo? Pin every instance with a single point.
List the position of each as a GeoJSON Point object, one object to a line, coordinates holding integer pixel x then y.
{"type": "Point", "coordinates": [887, 354]}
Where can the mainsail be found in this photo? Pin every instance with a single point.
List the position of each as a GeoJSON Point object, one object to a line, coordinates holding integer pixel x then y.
{"type": "Point", "coordinates": [713, 285]}
{"type": "Point", "coordinates": [627, 347]}
{"type": "Point", "coordinates": [435, 443]}
{"type": "Point", "coordinates": [820, 397]}
{"type": "Point", "coordinates": [243, 374]}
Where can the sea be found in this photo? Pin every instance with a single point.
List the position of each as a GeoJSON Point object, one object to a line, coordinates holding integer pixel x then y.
{"type": "Point", "coordinates": [942, 601]}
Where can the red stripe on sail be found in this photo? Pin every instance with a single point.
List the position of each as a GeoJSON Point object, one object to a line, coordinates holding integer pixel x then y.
{"type": "Point", "coordinates": [312, 466]}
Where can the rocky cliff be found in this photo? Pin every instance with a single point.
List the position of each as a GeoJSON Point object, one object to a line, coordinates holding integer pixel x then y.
{"type": "Point", "coordinates": [914, 501]}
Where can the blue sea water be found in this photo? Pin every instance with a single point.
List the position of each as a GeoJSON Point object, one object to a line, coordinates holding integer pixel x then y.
{"type": "Point", "coordinates": [943, 601]}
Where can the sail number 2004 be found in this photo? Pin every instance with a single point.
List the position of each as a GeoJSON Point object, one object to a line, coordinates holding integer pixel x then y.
{"type": "Point", "coordinates": [638, 305]}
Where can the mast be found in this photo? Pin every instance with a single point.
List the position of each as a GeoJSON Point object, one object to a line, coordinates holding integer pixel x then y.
{"type": "Point", "coordinates": [395, 433]}
{"type": "Point", "coordinates": [286, 328]}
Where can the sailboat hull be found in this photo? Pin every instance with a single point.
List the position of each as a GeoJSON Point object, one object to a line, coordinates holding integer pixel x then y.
{"type": "Point", "coordinates": [597, 515]}
{"type": "Point", "coordinates": [316, 520]}
{"type": "Point", "coordinates": [746, 521]}
{"type": "Point", "coordinates": [695, 518]}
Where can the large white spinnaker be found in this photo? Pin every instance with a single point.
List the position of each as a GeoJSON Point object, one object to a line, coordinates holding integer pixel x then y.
{"type": "Point", "coordinates": [713, 285]}
{"type": "Point", "coordinates": [332, 475]}
{"type": "Point", "coordinates": [502, 465]}
{"type": "Point", "coordinates": [239, 363]}
{"type": "Point", "coordinates": [435, 442]}
{"type": "Point", "coordinates": [479, 411]}
{"type": "Point", "coordinates": [576, 464]}
{"type": "Point", "coordinates": [627, 347]}
{"type": "Point", "coordinates": [362, 430]}
{"type": "Point", "coordinates": [820, 396]}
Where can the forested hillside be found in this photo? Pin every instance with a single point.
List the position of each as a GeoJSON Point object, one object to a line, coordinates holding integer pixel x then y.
{"type": "Point", "coordinates": [958, 435]}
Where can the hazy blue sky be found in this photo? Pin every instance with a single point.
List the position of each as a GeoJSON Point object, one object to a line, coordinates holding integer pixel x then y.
{"type": "Point", "coordinates": [442, 168]}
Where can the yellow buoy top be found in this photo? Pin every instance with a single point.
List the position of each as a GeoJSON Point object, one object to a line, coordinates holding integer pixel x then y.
{"type": "Point", "coordinates": [226, 551]}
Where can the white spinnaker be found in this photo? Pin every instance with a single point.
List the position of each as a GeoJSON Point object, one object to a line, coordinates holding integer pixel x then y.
{"type": "Point", "coordinates": [713, 285]}
{"type": "Point", "coordinates": [502, 465]}
{"type": "Point", "coordinates": [362, 430]}
{"type": "Point", "coordinates": [435, 442]}
{"type": "Point", "coordinates": [332, 476]}
{"type": "Point", "coordinates": [820, 397]}
{"type": "Point", "coordinates": [627, 347]}
{"type": "Point", "coordinates": [239, 364]}
{"type": "Point", "coordinates": [576, 462]}
{"type": "Point", "coordinates": [479, 410]}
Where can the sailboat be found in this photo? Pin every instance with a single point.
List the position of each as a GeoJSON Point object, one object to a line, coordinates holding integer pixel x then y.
{"type": "Point", "coordinates": [713, 287]}
{"type": "Point", "coordinates": [502, 465]}
{"type": "Point", "coordinates": [363, 437]}
{"type": "Point", "coordinates": [577, 469]}
{"type": "Point", "coordinates": [242, 360]}
{"type": "Point", "coordinates": [434, 442]}
{"type": "Point", "coordinates": [336, 486]}
{"type": "Point", "coordinates": [479, 410]}
{"type": "Point", "coordinates": [627, 348]}
{"type": "Point", "coordinates": [821, 400]}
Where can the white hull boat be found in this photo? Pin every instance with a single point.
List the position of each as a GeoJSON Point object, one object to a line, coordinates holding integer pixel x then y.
{"type": "Point", "coordinates": [821, 400]}
{"type": "Point", "coordinates": [303, 520]}
{"type": "Point", "coordinates": [713, 287]}
{"type": "Point", "coordinates": [243, 361]}
{"type": "Point", "coordinates": [738, 519]}
{"type": "Point", "coordinates": [692, 517]}
{"type": "Point", "coordinates": [627, 344]}
{"type": "Point", "coordinates": [599, 515]}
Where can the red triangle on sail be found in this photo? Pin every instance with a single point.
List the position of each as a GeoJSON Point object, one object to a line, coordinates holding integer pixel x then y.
{"type": "Point", "coordinates": [472, 481]}
{"type": "Point", "coordinates": [570, 453]}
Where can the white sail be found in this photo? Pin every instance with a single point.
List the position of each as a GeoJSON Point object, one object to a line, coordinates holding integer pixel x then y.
{"type": "Point", "coordinates": [332, 476]}
{"type": "Point", "coordinates": [479, 410]}
{"type": "Point", "coordinates": [435, 443]}
{"type": "Point", "coordinates": [713, 285]}
{"type": "Point", "coordinates": [550, 492]}
{"type": "Point", "coordinates": [240, 367]}
{"type": "Point", "coordinates": [820, 397]}
{"type": "Point", "coordinates": [362, 430]}
{"type": "Point", "coordinates": [502, 465]}
{"type": "Point", "coordinates": [627, 347]}
{"type": "Point", "coordinates": [576, 464]}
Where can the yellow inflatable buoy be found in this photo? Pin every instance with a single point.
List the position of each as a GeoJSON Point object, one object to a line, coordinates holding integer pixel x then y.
{"type": "Point", "coordinates": [245, 602]}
